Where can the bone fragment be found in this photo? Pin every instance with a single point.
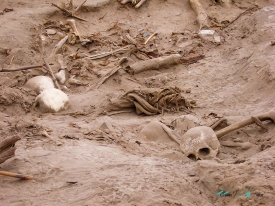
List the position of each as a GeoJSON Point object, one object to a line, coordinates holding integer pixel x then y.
{"type": "Point", "coordinates": [58, 46]}
{"type": "Point", "coordinates": [68, 13]}
{"type": "Point", "coordinates": [45, 134]}
{"type": "Point", "coordinates": [125, 1]}
{"type": "Point", "coordinates": [139, 4]}
{"type": "Point", "coordinates": [259, 123]}
{"type": "Point", "coordinates": [39, 83]}
{"type": "Point", "coordinates": [106, 54]}
{"type": "Point", "coordinates": [202, 17]}
{"type": "Point", "coordinates": [62, 75]}
{"type": "Point", "coordinates": [262, 117]}
{"type": "Point", "coordinates": [131, 39]}
{"type": "Point", "coordinates": [21, 68]}
{"type": "Point", "coordinates": [154, 64]}
{"type": "Point", "coordinates": [72, 24]}
{"type": "Point", "coordinates": [218, 123]}
{"type": "Point", "coordinates": [74, 81]}
{"type": "Point", "coordinates": [243, 145]}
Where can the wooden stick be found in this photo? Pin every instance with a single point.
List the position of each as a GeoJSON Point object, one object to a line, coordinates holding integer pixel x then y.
{"type": "Point", "coordinates": [20, 176]}
{"type": "Point", "coordinates": [51, 73]}
{"type": "Point", "coordinates": [70, 14]}
{"type": "Point", "coordinates": [80, 5]}
{"type": "Point", "coordinates": [139, 4]}
{"type": "Point", "coordinates": [153, 64]}
{"type": "Point", "coordinates": [21, 68]}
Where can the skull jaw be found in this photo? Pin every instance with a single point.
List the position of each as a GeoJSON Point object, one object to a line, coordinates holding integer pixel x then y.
{"type": "Point", "coordinates": [200, 143]}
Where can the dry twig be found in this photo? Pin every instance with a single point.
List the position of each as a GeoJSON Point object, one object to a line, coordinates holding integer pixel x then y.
{"type": "Point", "coordinates": [105, 54]}
{"type": "Point", "coordinates": [244, 12]}
{"type": "Point", "coordinates": [51, 73]}
{"type": "Point", "coordinates": [68, 13]}
{"type": "Point", "coordinates": [21, 68]}
{"type": "Point", "coordinates": [20, 176]}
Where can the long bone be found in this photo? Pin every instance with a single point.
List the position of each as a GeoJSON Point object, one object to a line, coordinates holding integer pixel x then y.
{"type": "Point", "coordinates": [72, 24]}
{"type": "Point", "coordinates": [201, 142]}
{"type": "Point", "coordinates": [254, 119]}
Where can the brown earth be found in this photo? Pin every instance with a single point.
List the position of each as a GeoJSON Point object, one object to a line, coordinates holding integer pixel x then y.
{"type": "Point", "coordinates": [86, 162]}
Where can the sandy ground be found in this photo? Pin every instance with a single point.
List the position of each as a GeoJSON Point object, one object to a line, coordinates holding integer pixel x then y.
{"type": "Point", "coordinates": [81, 163]}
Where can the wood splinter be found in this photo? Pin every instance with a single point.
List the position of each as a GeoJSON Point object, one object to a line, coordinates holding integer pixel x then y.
{"type": "Point", "coordinates": [68, 13]}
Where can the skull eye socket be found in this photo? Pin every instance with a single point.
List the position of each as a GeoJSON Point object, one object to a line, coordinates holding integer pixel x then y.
{"type": "Point", "coordinates": [204, 151]}
{"type": "Point", "coordinates": [192, 157]}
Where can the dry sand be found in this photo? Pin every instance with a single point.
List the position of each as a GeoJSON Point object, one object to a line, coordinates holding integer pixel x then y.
{"type": "Point", "coordinates": [81, 163]}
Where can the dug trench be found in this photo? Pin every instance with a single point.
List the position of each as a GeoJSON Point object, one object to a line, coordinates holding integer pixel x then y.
{"type": "Point", "coordinates": [86, 155]}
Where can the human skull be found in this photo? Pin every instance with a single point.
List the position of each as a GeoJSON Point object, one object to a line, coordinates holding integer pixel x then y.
{"type": "Point", "coordinates": [200, 143]}
{"type": "Point", "coordinates": [52, 100]}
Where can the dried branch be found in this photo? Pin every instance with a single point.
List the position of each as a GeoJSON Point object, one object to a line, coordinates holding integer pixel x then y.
{"type": "Point", "coordinates": [105, 54]}
{"type": "Point", "coordinates": [21, 68]}
{"type": "Point", "coordinates": [68, 13]}
{"type": "Point", "coordinates": [20, 176]}
{"type": "Point", "coordinates": [79, 6]}
{"type": "Point", "coordinates": [51, 73]}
